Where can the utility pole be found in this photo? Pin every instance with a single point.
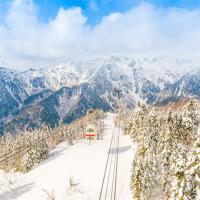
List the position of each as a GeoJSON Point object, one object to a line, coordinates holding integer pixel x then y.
{"type": "Point", "coordinates": [118, 92]}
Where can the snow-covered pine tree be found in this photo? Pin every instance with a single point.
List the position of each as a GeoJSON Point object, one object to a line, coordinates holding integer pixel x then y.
{"type": "Point", "coordinates": [167, 154]}
{"type": "Point", "coordinates": [49, 135]}
{"type": "Point", "coordinates": [168, 146]}
{"type": "Point", "coordinates": [185, 174]}
{"type": "Point", "coordinates": [37, 150]}
{"type": "Point", "coordinates": [6, 146]}
{"type": "Point", "coordinates": [58, 133]}
{"type": "Point", "coordinates": [68, 134]}
{"type": "Point", "coordinates": [191, 110]}
{"type": "Point", "coordinates": [185, 169]}
{"type": "Point", "coordinates": [144, 168]}
{"type": "Point", "coordinates": [153, 152]}
{"type": "Point", "coordinates": [138, 123]}
{"type": "Point", "coordinates": [193, 171]}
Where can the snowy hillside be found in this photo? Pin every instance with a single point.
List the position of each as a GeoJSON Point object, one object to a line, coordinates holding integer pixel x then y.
{"type": "Point", "coordinates": [83, 161]}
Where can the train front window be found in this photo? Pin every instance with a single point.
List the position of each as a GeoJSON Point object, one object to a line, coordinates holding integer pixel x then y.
{"type": "Point", "coordinates": [90, 130]}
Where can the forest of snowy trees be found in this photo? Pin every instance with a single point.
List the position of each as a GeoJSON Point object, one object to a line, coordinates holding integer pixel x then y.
{"type": "Point", "coordinates": [23, 151]}
{"type": "Point", "coordinates": [167, 162]}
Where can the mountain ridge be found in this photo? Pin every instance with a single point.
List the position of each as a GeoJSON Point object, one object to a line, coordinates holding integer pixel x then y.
{"type": "Point", "coordinates": [152, 81]}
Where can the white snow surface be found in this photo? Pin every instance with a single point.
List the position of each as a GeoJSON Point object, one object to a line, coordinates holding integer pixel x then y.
{"type": "Point", "coordinates": [158, 70]}
{"type": "Point", "coordinates": [83, 161]}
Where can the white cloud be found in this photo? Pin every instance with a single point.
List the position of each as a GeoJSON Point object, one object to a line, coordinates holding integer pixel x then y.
{"type": "Point", "coordinates": [144, 30]}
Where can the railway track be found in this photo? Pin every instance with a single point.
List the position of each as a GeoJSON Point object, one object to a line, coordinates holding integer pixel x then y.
{"type": "Point", "coordinates": [109, 182]}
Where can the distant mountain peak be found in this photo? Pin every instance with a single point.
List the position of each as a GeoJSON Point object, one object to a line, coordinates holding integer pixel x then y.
{"type": "Point", "coordinates": [35, 69]}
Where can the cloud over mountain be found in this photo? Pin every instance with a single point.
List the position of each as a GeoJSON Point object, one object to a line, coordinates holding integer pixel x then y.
{"type": "Point", "coordinates": [143, 30]}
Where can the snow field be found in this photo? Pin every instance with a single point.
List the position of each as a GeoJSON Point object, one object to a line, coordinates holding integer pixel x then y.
{"type": "Point", "coordinates": [84, 162]}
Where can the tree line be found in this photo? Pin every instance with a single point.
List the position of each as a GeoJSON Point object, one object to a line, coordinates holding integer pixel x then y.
{"type": "Point", "coordinates": [167, 161]}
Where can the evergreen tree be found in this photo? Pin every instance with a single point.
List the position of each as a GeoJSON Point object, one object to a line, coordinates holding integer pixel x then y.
{"type": "Point", "coordinates": [167, 154]}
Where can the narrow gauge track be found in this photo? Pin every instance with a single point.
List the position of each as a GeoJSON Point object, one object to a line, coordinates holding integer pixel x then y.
{"type": "Point", "coordinates": [109, 182]}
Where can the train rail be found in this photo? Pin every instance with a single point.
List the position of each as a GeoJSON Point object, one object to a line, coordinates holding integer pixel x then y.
{"type": "Point", "coordinates": [109, 182]}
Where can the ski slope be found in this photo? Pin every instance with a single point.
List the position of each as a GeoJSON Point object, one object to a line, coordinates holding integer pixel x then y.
{"type": "Point", "coordinates": [84, 162]}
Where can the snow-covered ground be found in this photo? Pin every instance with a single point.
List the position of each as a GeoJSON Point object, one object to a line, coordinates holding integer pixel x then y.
{"type": "Point", "coordinates": [84, 162]}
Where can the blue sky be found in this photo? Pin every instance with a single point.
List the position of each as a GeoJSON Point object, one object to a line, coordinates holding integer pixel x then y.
{"type": "Point", "coordinates": [49, 32]}
{"type": "Point", "coordinates": [94, 10]}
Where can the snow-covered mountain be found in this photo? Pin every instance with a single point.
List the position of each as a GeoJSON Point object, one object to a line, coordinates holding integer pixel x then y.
{"type": "Point", "coordinates": [66, 91]}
